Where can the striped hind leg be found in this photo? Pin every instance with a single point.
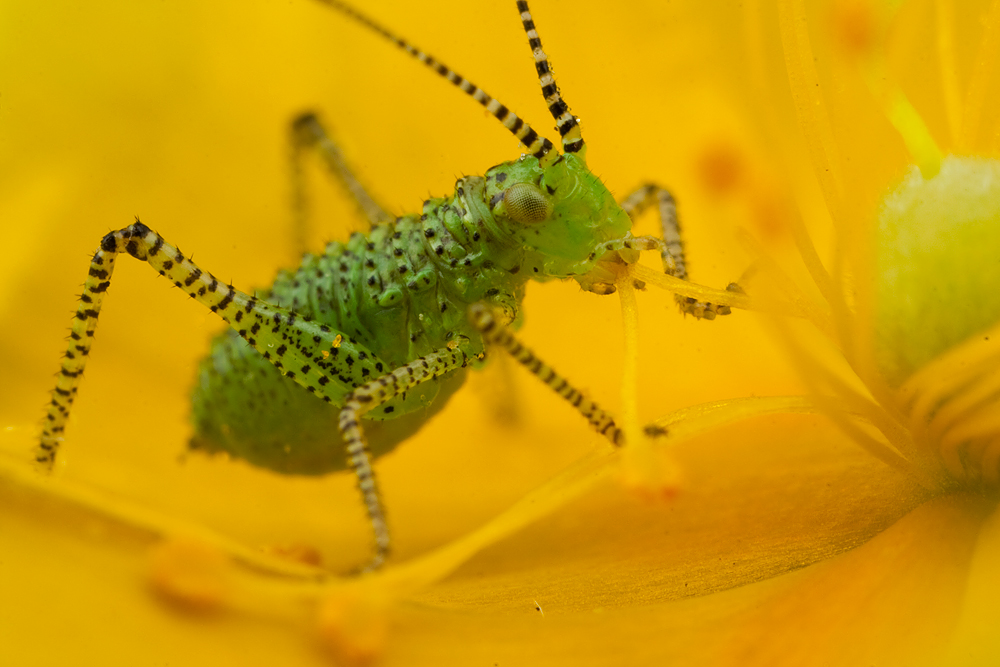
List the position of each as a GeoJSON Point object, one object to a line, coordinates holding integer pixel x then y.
{"type": "Point", "coordinates": [672, 249]}
{"type": "Point", "coordinates": [326, 362]}
{"type": "Point", "coordinates": [307, 133]}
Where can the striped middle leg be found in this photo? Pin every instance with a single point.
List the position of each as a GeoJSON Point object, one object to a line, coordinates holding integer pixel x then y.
{"type": "Point", "coordinates": [370, 396]}
{"type": "Point", "coordinates": [495, 333]}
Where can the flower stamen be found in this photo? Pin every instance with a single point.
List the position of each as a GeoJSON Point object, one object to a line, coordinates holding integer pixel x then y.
{"type": "Point", "coordinates": [945, 42]}
{"type": "Point", "coordinates": [982, 73]}
{"type": "Point", "coordinates": [811, 108]}
{"type": "Point", "coordinates": [951, 405]}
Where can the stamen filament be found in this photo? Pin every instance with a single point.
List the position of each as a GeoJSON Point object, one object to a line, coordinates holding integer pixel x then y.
{"type": "Point", "coordinates": [911, 127]}
{"type": "Point", "coordinates": [979, 395]}
{"type": "Point", "coordinates": [799, 74]}
{"type": "Point", "coordinates": [798, 304]}
{"type": "Point", "coordinates": [871, 411]}
{"type": "Point", "coordinates": [693, 290]}
{"type": "Point", "coordinates": [811, 371]}
{"type": "Point", "coordinates": [810, 106]}
{"type": "Point", "coordinates": [945, 43]}
{"type": "Point", "coordinates": [943, 376]}
{"type": "Point", "coordinates": [696, 419]}
{"type": "Point", "coordinates": [149, 521]}
{"type": "Point", "coordinates": [630, 367]}
{"type": "Point", "coordinates": [823, 281]}
{"type": "Point", "coordinates": [982, 74]}
{"type": "Point", "coordinates": [983, 426]}
{"type": "Point", "coordinates": [403, 580]}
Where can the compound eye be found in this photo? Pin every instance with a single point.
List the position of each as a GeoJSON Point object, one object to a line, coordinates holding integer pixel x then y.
{"type": "Point", "coordinates": [525, 203]}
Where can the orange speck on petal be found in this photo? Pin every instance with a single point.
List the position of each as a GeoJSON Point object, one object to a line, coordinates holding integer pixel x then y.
{"type": "Point", "coordinates": [721, 168]}
{"type": "Point", "coordinates": [298, 553]}
{"type": "Point", "coordinates": [854, 26]}
{"type": "Point", "coordinates": [726, 169]}
{"type": "Point", "coordinates": [652, 474]}
{"type": "Point", "coordinates": [190, 573]}
{"type": "Point", "coordinates": [354, 625]}
{"type": "Point", "coordinates": [769, 211]}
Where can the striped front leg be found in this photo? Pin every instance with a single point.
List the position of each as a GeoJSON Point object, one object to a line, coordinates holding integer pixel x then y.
{"type": "Point", "coordinates": [672, 248]}
{"type": "Point", "coordinates": [81, 336]}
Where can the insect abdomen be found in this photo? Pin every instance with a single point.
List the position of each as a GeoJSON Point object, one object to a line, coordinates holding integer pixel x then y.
{"type": "Point", "coordinates": [242, 405]}
{"type": "Point", "coordinates": [402, 291]}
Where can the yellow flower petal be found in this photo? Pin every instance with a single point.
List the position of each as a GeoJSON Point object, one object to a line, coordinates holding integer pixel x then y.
{"type": "Point", "coordinates": [181, 122]}
{"type": "Point", "coordinates": [892, 601]}
{"type": "Point", "coordinates": [758, 498]}
{"type": "Point", "coordinates": [975, 639]}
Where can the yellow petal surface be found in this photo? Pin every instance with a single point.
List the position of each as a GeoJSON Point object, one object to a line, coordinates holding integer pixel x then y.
{"type": "Point", "coordinates": [177, 113]}
{"type": "Point", "coordinates": [188, 133]}
{"type": "Point", "coordinates": [607, 561]}
{"type": "Point", "coordinates": [892, 601]}
{"type": "Point", "coordinates": [975, 640]}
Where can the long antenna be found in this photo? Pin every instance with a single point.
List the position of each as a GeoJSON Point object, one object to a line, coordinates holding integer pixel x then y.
{"type": "Point", "coordinates": [537, 145]}
{"type": "Point", "coordinates": [569, 129]}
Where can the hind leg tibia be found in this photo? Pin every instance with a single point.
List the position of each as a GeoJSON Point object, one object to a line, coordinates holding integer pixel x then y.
{"type": "Point", "coordinates": [324, 361]}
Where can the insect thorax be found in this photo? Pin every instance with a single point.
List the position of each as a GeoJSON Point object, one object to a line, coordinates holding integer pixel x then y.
{"type": "Point", "coordinates": [404, 288]}
{"type": "Point", "coordinates": [402, 291]}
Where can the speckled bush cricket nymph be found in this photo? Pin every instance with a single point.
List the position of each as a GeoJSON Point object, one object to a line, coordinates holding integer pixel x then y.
{"type": "Point", "coordinates": [382, 327]}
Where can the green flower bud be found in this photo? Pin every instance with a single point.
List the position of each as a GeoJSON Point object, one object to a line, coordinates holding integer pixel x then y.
{"type": "Point", "coordinates": [937, 262]}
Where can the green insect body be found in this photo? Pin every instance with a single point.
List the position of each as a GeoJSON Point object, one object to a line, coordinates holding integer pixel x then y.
{"type": "Point", "coordinates": [348, 355]}
{"type": "Point", "coordinates": [399, 293]}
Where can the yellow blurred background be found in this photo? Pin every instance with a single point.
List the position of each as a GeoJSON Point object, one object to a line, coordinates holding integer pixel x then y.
{"type": "Point", "coordinates": [177, 113]}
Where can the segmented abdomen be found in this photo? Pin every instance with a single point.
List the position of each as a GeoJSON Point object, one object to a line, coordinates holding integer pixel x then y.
{"type": "Point", "coordinates": [402, 291]}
